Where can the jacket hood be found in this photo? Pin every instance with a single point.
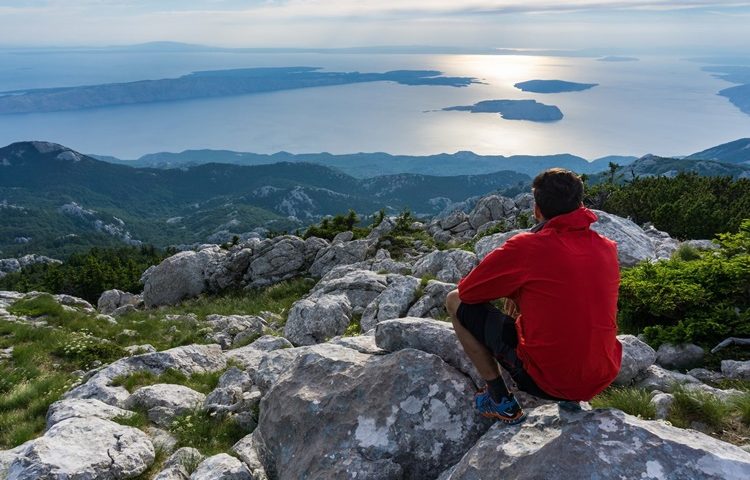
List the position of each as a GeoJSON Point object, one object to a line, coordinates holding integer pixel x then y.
{"type": "Point", "coordinates": [578, 219]}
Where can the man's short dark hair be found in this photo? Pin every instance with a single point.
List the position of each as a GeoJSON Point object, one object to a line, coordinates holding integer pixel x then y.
{"type": "Point", "coordinates": [557, 191]}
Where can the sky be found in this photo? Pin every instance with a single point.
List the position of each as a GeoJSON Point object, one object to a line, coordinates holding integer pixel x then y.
{"type": "Point", "coordinates": [687, 26]}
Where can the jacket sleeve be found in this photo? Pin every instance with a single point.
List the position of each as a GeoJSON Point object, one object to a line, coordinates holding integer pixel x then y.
{"type": "Point", "coordinates": [499, 275]}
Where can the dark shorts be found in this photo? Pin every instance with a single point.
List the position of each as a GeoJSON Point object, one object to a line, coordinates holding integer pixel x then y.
{"type": "Point", "coordinates": [497, 331]}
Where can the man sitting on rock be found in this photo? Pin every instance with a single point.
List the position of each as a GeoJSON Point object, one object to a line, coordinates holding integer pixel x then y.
{"type": "Point", "coordinates": [564, 279]}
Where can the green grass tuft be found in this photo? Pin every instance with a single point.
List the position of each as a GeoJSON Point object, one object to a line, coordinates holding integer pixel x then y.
{"type": "Point", "coordinates": [200, 382]}
{"type": "Point", "coordinates": [698, 407]}
{"type": "Point", "coordinates": [634, 401]}
{"type": "Point", "coordinates": [211, 434]}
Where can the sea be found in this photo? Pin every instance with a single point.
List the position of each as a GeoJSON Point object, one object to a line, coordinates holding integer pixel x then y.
{"type": "Point", "coordinates": [662, 105]}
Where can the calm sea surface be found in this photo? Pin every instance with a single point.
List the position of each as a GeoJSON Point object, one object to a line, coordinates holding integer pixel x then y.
{"type": "Point", "coordinates": [657, 105]}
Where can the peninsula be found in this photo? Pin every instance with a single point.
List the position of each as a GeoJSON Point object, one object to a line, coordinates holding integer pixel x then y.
{"type": "Point", "coordinates": [216, 83]}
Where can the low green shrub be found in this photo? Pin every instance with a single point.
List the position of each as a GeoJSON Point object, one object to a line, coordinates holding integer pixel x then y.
{"type": "Point", "coordinates": [209, 433]}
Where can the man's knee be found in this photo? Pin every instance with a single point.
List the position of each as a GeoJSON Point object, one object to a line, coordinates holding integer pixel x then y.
{"type": "Point", "coordinates": [452, 302]}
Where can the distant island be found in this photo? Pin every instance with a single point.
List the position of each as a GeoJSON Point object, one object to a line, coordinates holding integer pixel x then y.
{"type": "Point", "coordinates": [217, 83]}
{"type": "Point", "coordinates": [615, 58]}
{"type": "Point", "coordinates": [514, 110]}
{"type": "Point", "coordinates": [553, 86]}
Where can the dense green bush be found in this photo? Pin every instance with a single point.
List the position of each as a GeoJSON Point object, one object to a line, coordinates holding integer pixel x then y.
{"type": "Point", "coordinates": [328, 228]}
{"type": "Point", "coordinates": [88, 274]}
{"type": "Point", "coordinates": [687, 205]}
{"type": "Point", "coordinates": [702, 300]}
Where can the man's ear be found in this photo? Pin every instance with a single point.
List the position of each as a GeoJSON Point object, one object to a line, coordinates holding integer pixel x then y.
{"type": "Point", "coordinates": [538, 213]}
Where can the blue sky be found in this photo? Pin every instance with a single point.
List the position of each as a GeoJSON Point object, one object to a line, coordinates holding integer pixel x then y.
{"type": "Point", "coordinates": [637, 25]}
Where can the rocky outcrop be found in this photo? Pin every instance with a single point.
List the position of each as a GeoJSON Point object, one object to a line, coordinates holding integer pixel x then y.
{"type": "Point", "coordinates": [679, 357]}
{"type": "Point", "coordinates": [432, 302]}
{"type": "Point", "coordinates": [179, 277]}
{"type": "Point", "coordinates": [180, 464]}
{"type": "Point", "coordinates": [657, 378]}
{"type": "Point", "coordinates": [234, 329]}
{"type": "Point", "coordinates": [637, 356]}
{"type": "Point", "coordinates": [12, 265]}
{"type": "Point", "coordinates": [186, 360]}
{"type": "Point", "coordinates": [446, 265]}
{"type": "Point", "coordinates": [221, 467]}
{"type": "Point", "coordinates": [315, 320]}
{"type": "Point", "coordinates": [163, 402]}
{"type": "Point", "coordinates": [736, 369]}
{"type": "Point", "coordinates": [77, 408]}
{"type": "Point", "coordinates": [487, 244]}
{"type": "Point", "coordinates": [84, 448]}
{"type": "Point", "coordinates": [555, 444]}
{"type": "Point", "coordinates": [343, 253]}
{"type": "Point", "coordinates": [393, 302]}
{"type": "Point", "coordinates": [111, 300]}
{"type": "Point", "coordinates": [633, 244]}
{"type": "Point", "coordinates": [492, 208]}
{"type": "Point", "coordinates": [402, 415]}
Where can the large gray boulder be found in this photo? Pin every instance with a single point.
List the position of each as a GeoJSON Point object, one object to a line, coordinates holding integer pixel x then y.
{"type": "Point", "coordinates": [77, 408]}
{"type": "Point", "coordinates": [679, 357]}
{"type": "Point", "coordinates": [180, 276]}
{"type": "Point", "coordinates": [250, 356]}
{"type": "Point", "coordinates": [232, 267]}
{"type": "Point", "coordinates": [361, 287]}
{"type": "Point", "coordinates": [427, 335]}
{"type": "Point", "coordinates": [84, 448]}
{"type": "Point", "coordinates": [111, 300]}
{"type": "Point", "coordinates": [736, 369]}
{"type": "Point", "coordinates": [446, 265]}
{"type": "Point", "coordinates": [180, 464]}
{"type": "Point", "coordinates": [393, 302]}
{"type": "Point", "coordinates": [227, 329]}
{"type": "Point", "coordinates": [188, 360]}
{"type": "Point", "coordinates": [657, 378]}
{"type": "Point", "coordinates": [343, 253]}
{"type": "Point", "coordinates": [351, 415]}
{"type": "Point", "coordinates": [555, 444]}
{"type": "Point", "coordinates": [637, 356]}
{"type": "Point", "coordinates": [221, 467]}
{"type": "Point", "coordinates": [164, 401]}
{"type": "Point", "coordinates": [487, 244]}
{"type": "Point", "coordinates": [492, 208]}
{"type": "Point", "coordinates": [281, 258]}
{"type": "Point", "coordinates": [318, 319]}
{"type": "Point", "coordinates": [633, 244]}
{"type": "Point", "coordinates": [432, 302]}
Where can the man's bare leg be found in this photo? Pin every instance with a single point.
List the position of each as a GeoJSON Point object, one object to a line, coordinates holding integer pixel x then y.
{"type": "Point", "coordinates": [478, 354]}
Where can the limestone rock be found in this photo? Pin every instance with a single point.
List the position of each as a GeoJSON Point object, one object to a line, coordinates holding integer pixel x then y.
{"type": "Point", "coordinates": [246, 450]}
{"type": "Point", "coordinates": [350, 415]}
{"type": "Point", "coordinates": [231, 268]}
{"type": "Point", "coordinates": [179, 277]}
{"type": "Point", "coordinates": [432, 301]}
{"type": "Point", "coordinates": [393, 302]}
{"type": "Point", "coordinates": [188, 360]}
{"type": "Point", "coordinates": [250, 356]}
{"type": "Point", "coordinates": [84, 448]}
{"type": "Point", "coordinates": [736, 369]}
{"type": "Point", "coordinates": [384, 228]}
{"type": "Point", "coordinates": [427, 335]}
{"type": "Point", "coordinates": [221, 467]}
{"type": "Point", "coordinates": [165, 401]}
{"type": "Point", "coordinates": [281, 258]}
{"type": "Point", "coordinates": [633, 244]}
{"type": "Point", "coordinates": [230, 328]}
{"type": "Point", "coordinates": [453, 219]}
{"type": "Point", "coordinates": [446, 266]}
{"type": "Point", "coordinates": [360, 343]}
{"type": "Point", "coordinates": [487, 244]}
{"type": "Point", "coordinates": [111, 300]}
{"type": "Point", "coordinates": [361, 287]}
{"type": "Point", "coordinates": [317, 319]}
{"type": "Point", "coordinates": [657, 378]}
{"type": "Point", "coordinates": [637, 356]}
{"type": "Point", "coordinates": [491, 208]}
{"type": "Point", "coordinates": [180, 464]}
{"type": "Point", "coordinates": [75, 408]}
{"type": "Point", "coordinates": [598, 444]}
{"type": "Point", "coordinates": [706, 376]}
{"type": "Point", "coordinates": [341, 254]}
{"type": "Point", "coordinates": [663, 403]}
{"type": "Point", "coordinates": [679, 356]}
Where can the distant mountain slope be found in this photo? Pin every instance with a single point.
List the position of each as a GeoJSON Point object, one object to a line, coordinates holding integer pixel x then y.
{"type": "Point", "coordinates": [737, 151]}
{"type": "Point", "coordinates": [54, 200]}
{"type": "Point", "coordinates": [652, 165]}
{"type": "Point", "coordinates": [367, 165]}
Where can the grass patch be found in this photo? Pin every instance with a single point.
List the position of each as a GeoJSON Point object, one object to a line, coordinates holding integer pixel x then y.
{"type": "Point", "coordinates": [209, 434]}
{"type": "Point", "coordinates": [139, 419]}
{"type": "Point", "coordinates": [355, 327]}
{"type": "Point", "coordinates": [698, 407]}
{"type": "Point", "coordinates": [200, 382]}
{"type": "Point", "coordinates": [742, 406]}
{"type": "Point", "coordinates": [634, 401]}
{"type": "Point", "coordinates": [44, 358]}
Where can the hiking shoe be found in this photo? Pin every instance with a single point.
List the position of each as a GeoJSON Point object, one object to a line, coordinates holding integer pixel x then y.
{"type": "Point", "coordinates": [507, 411]}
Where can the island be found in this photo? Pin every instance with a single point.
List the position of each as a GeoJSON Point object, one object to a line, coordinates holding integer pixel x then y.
{"type": "Point", "coordinates": [216, 83]}
{"type": "Point", "coordinates": [553, 86]}
{"type": "Point", "coordinates": [530, 110]}
{"type": "Point", "coordinates": [615, 58]}
{"type": "Point", "coordinates": [730, 73]}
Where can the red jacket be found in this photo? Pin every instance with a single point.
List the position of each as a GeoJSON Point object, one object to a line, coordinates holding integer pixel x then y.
{"type": "Point", "coordinates": [564, 279]}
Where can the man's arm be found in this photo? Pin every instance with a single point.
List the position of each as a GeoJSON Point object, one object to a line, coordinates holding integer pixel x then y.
{"type": "Point", "coordinates": [498, 275]}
